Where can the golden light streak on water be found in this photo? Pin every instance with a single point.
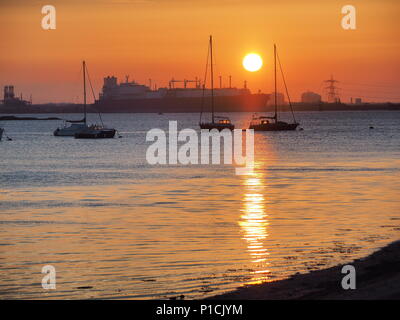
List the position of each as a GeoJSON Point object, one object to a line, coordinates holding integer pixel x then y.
{"type": "Point", "coordinates": [254, 223]}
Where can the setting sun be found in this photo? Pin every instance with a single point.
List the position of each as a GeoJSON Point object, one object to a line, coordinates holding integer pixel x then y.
{"type": "Point", "coordinates": [252, 62]}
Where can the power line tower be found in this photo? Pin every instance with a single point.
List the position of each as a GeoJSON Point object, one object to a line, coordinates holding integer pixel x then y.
{"type": "Point", "coordinates": [332, 90]}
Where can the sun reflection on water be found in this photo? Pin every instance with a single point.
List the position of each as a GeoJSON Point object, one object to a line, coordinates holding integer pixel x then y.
{"type": "Point", "coordinates": [253, 222]}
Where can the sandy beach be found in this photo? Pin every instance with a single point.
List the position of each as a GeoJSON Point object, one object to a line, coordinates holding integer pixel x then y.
{"type": "Point", "coordinates": [378, 277]}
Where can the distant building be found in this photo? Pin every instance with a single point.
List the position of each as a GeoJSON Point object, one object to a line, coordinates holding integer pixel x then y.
{"type": "Point", "coordinates": [11, 100]}
{"type": "Point", "coordinates": [310, 98]}
{"type": "Point", "coordinates": [280, 98]}
{"type": "Point", "coordinates": [358, 101]}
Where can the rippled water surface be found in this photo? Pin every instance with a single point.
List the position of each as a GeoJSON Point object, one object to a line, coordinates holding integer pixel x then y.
{"type": "Point", "coordinates": [121, 228]}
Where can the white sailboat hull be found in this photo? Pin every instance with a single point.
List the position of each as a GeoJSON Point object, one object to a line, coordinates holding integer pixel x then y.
{"type": "Point", "coordinates": [71, 130]}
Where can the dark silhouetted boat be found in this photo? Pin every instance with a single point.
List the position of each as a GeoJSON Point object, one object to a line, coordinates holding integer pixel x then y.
{"type": "Point", "coordinates": [71, 127]}
{"type": "Point", "coordinates": [95, 132]}
{"type": "Point", "coordinates": [217, 122]}
{"type": "Point", "coordinates": [79, 128]}
{"type": "Point", "coordinates": [265, 123]}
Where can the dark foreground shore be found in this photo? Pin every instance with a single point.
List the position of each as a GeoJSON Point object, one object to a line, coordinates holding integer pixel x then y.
{"type": "Point", "coordinates": [377, 277]}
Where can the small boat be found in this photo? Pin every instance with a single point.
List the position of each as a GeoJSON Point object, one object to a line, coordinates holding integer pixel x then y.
{"type": "Point", "coordinates": [1, 133]}
{"type": "Point", "coordinates": [223, 122]}
{"type": "Point", "coordinates": [96, 132]}
{"type": "Point", "coordinates": [79, 128]}
{"type": "Point", "coordinates": [70, 130]}
{"type": "Point", "coordinates": [75, 125]}
{"type": "Point", "coordinates": [265, 123]}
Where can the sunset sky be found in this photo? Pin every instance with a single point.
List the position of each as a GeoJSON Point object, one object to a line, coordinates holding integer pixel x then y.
{"type": "Point", "coordinates": [161, 39]}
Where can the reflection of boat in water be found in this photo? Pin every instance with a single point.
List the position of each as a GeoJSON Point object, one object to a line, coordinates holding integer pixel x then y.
{"type": "Point", "coordinates": [1, 133]}
{"type": "Point", "coordinates": [223, 122]}
{"type": "Point", "coordinates": [265, 123]}
{"type": "Point", "coordinates": [80, 128]}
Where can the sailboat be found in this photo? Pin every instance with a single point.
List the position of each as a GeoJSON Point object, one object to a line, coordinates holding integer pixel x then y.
{"type": "Point", "coordinates": [222, 122]}
{"type": "Point", "coordinates": [96, 132]}
{"type": "Point", "coordinates": [75, 125]}
{"type": "Point", "coordinates": [70, 130]}
{"type": "Point", "coordinates": [79, 128]}
{"type": "Point", "coordinates": [265, 123]}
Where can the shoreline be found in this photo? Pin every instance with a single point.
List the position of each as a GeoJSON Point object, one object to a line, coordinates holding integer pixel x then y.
{"type": "Point", "coordinates": [377, 278]}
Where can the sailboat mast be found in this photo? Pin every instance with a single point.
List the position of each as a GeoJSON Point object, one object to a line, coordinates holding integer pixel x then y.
{"type": "Point", "coordinates": [84, 89]}
{"type": "Point", "coordinates": [276, 95]}
{"type": "Point", "coordinates": [212, 81]}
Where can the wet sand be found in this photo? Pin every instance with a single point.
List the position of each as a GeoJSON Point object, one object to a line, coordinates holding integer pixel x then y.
{"type": "Point", "coordinates": [378, 277]}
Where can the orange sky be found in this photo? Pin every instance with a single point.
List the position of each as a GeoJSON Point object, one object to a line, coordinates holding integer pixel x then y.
{"type": "Point", "coordinates": [161, 39]}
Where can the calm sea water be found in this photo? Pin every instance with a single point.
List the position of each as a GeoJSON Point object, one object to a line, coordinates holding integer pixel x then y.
{"type": "Point", "coordinates": [110, 222]}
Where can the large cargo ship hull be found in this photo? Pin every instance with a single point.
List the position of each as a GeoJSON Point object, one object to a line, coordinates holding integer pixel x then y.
{"type": "Point", "coordinates": [244, 103]}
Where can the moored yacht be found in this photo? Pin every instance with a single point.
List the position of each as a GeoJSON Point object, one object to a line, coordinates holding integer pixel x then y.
{"type": "Point", "coordinates": [70, 130]}
{"type": "Point", "coordinates": [95, 132]}
{"type": "Point", "coordinates": [223, 122]}
{"type": "Point", "coordinates": [75, 126]}
{"type": "Point", "coordinates": [265, 123]}
{"type": "Point", "coordinates": [79, 128]}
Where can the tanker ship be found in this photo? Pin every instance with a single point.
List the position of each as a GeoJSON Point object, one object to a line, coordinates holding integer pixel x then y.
{"type": "Point", "coordinates": [190, 96]}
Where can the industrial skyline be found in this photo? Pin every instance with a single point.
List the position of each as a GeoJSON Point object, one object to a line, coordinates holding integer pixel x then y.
{"type": "Point", "coordinates": [329, 94]}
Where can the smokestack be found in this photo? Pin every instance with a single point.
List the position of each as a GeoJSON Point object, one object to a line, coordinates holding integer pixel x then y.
{"type": "Point", "coordinates": [230, 82]}
{"type": "Point", "coordinates": [220, 82]}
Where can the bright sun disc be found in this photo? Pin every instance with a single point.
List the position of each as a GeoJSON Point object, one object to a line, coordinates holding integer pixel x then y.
{"type": "Point", "coordinates": [252, 62]}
